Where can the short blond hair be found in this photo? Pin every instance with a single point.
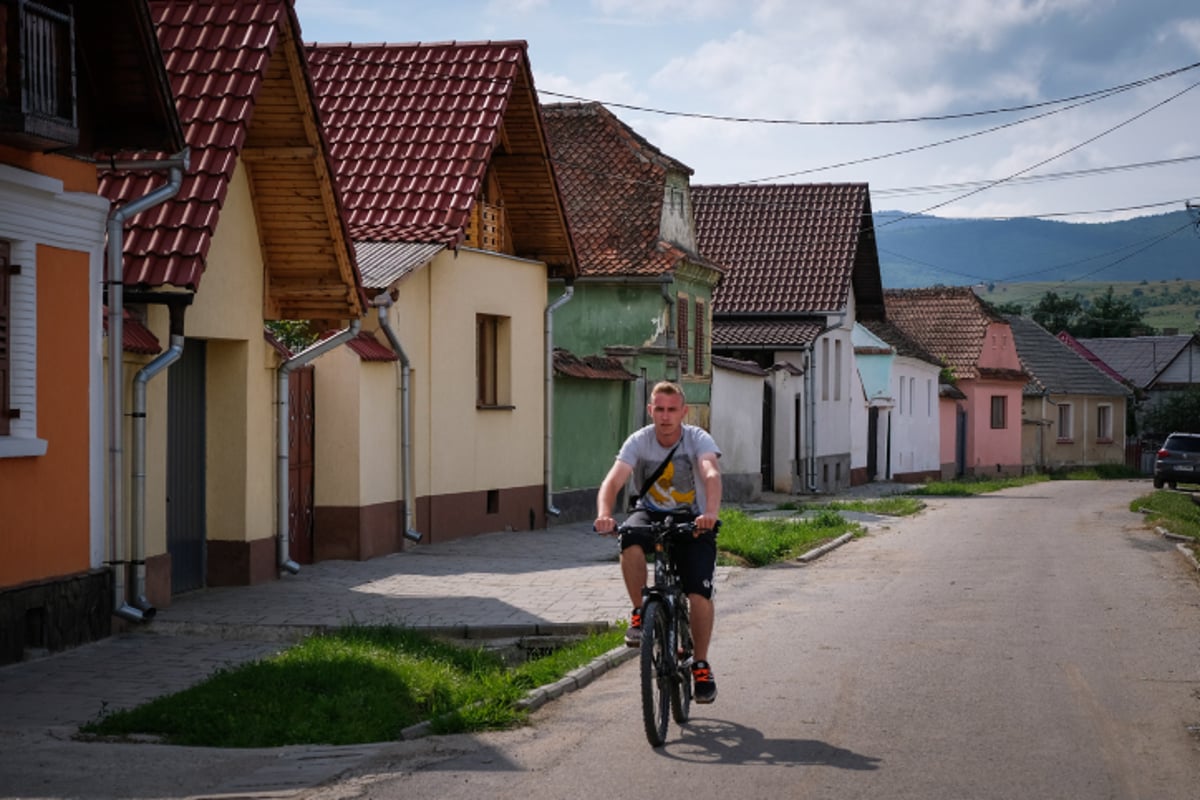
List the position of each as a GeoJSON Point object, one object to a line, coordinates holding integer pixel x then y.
{"type": "Point", "coordinates": [668, 387]}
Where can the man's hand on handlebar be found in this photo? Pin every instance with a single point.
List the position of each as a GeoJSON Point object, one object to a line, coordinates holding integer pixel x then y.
{"type": "Point", "coordinates": [704, 524]}
{"type": "Point", "coordinates": [605, 526]}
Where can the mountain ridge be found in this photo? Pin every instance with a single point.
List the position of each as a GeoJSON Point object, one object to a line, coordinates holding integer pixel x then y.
{"type": "Point", "coordinates": [919, 250]}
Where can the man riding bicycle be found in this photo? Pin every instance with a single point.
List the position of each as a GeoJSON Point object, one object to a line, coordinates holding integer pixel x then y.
{"type": "Point", "coordinates": [676, 466]}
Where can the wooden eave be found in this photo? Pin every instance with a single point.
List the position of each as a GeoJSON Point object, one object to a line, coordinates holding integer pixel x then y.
{"type": "Point", "coordinates": [532, 202]}
{"type": "Point", "coordinates": [309, 267]}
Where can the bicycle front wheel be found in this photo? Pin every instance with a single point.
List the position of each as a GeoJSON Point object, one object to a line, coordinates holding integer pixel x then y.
{"type": "Point", "coordinates": [681, 687]}
{"type": "Point", "coordinates": [657, 668]}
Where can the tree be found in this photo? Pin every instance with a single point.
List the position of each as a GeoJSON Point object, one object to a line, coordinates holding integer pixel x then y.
{"type": "Point", "coordinates": [1178, 411]}
{"type": "Point", "coordinates": [1109, 315]}
{"type": "Point", "coordinates": [1057, 314]}
{"type": "Point", "coordinates": [1010, 308]}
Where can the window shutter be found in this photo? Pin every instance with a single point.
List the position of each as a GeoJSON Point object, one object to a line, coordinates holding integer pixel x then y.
{"type": "Point", "coordinates": [681, 333]}
{"type": "Point", "coordinates": [701, 322]}
{"type": "Point", "coordinates": [5, 317]}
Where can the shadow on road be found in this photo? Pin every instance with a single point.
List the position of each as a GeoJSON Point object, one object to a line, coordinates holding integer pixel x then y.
{"type": "Point", "coordinates": [713, 741]}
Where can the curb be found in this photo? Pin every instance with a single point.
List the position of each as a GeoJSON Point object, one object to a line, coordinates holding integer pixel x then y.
{"type": "Point", "coordinates": [817, 552]}
{"type": "Point", "coordinates": [574, 680]}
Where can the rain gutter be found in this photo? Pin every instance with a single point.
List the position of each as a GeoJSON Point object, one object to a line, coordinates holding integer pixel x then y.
{"type": "Point", "coordinates": [115, 282]}
{"type": "Point", "coordinates": [383, 302]}
{"type": "Point", "coordinates": [548, 420]}
{"type": "Point", "coordinates": [281, 437]}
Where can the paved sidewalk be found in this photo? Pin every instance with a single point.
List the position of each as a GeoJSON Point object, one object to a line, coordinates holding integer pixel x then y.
{"type": "Point", "coordinates": [564, 579]}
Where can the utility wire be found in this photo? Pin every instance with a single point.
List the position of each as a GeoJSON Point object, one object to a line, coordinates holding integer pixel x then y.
{"type": "Point", "coordinates": [882, 121]}
{"type": "Point", "coordinates": [1045, 161]}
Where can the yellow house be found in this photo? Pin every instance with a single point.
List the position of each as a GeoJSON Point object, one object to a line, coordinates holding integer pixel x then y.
{"type": "Point", "coordinates": [252, 233]}
{"type": "Point", "coordinates": [55, 590]}
{"type": "Point", "coordinates": [434, 422]}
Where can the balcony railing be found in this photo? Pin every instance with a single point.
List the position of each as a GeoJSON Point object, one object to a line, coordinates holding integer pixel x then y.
{"type": "Point", "coordinates": [37, 93]}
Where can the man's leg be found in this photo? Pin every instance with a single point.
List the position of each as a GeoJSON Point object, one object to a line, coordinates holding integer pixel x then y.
{"type": "Point", "coordinates": [702, 624]}
{"type": "Point", "coordinates": [633, 569]}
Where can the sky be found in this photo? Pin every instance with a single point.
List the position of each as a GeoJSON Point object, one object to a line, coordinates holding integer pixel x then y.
{"type": "Point", "coordinates": [914, 97]}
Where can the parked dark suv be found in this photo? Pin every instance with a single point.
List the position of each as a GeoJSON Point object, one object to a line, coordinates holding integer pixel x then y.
{"type": "Point", "coordinates": [1178, 460]}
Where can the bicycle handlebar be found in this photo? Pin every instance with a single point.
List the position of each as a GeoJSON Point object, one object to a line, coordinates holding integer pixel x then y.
{"type": "Point", "coordinates": [665, 526]}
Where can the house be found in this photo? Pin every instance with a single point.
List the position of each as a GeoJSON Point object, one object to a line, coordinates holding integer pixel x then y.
{"type": "Point", "coordinates": [451, 201]}
{"type": "Point", "coordinates": [642, 301]}
{"type": "Point", "coordinates": [1073, 414]}
{"type": "Point", "coordinates": [253, 232]}
{"type": "Point", "coordinates": [739, 388]}
{"type": "Point", "coordinates": [1153, 366]}
{"type": "Point", "coordinates": [802, 267]}
{"type": "Point", "coordinates": [55, 590]}
{"type": "Point", "coordinates": [895, 425]}
{"type": "Point", "coordinates": [981, 433]}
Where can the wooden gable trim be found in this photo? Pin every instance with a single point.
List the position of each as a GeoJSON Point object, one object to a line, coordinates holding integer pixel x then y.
{"type": "Point", "coordinates": [309, 271]}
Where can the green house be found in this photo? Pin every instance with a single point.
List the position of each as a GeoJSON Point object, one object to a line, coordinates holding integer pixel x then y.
{"type": "Point", "coordinates": [640, 310]}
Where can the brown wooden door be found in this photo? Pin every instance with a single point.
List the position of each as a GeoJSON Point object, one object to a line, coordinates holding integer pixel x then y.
{"type": "Point", "coordinates": [300, 465]}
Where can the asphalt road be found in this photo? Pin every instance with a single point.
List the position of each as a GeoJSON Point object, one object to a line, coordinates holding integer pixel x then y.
{"type": "Point", "coordinates": [1035, 643]}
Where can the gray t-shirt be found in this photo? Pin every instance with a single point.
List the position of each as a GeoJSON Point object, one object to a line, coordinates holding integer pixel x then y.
{"type": "Point", "coordinates": [679, 486]}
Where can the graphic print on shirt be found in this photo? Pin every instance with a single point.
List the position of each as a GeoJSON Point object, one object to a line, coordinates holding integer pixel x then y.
{"type": "Point", "coordinates": [675, 487]}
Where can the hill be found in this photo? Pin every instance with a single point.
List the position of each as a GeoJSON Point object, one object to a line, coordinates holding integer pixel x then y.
{"type": "Point", "coordinates": [926, 251]}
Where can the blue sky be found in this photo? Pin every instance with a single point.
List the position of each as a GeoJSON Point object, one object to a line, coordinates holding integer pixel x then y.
{"type": "Point", "coordinates": [862, 60]}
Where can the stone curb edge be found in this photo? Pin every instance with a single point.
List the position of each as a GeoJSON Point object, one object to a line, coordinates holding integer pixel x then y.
{"type": "Point", "coordinates": [574, 680]}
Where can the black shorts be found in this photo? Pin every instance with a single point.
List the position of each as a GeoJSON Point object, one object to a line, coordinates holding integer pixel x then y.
{"type": "Point", "coordinates": [695, 558]}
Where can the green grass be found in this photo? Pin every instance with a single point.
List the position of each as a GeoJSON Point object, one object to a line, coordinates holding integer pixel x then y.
{"type": "Point", "coordinates": [964, 487]}
{"type": "Point", "coordinates": [1174, 511]}
{"type": "Point", "coordinates": [759, 542]}
{"type": "Point", "coordinates": [357, 685]}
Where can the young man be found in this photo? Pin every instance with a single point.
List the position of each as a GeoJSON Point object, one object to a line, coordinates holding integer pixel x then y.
{"type": "Point", "coordinates": [688, 487]}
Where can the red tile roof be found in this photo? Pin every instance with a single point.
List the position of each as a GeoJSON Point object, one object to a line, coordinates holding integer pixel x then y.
{"type": "Point", "coordinates": [135, 337]}
{"type": "Point", "coordinates": [764, 334]}
{"type": "Point", "coordinates": [613, 183]}
{"type": "Point", "coordinates": [951, 322]}
{"type": "Point", "coordinates": [590, 367]}
{"type": "Point", "coordinates": [216, 53]}
{"type": "Point", "coordinates": [411, 129]}
{"type": "Point", "coordinates": [368, 348]}
{"type": "Point", "coordinates": [790, 248]}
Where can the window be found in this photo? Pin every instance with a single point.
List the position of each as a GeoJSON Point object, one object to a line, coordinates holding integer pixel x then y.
{"type": "Point", "coordinates": [1065, 422]}
{"type": "Point", "coordinates": [928, 397]}
{"type": "Point", "coordinates": [912, 397]}
{"type": "Point", "coordinates": [492, 364]}
{"type": "Point", "coordinates": [5, 358]}
{"type": "Point", "coordinates": [837, 370]}
{"type": "Point", "coordinates": [1104, 417]}
{"type": "Point", "coordinates": [825, 369]}
{"type": "Point", "coordinates": [999, 411]}
{"type": "Point", "coordinates": [681, 332]}
{"type": "Point", "coordinates": [701, 326]}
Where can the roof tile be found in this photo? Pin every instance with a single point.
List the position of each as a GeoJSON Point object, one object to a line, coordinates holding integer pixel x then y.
{"type": "Point", "coordinates": [790, 248]}
{"type": "Point", "coordinates": [951, 322]}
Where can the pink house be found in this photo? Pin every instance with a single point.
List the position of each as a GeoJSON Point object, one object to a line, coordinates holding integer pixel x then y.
{"type": "Point", "coordinates": [980, 413]}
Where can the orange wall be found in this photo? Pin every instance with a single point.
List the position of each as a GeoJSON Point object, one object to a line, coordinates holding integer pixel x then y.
{"type": "Point", "coordinates": [45, 499]}
{"type": "Point", "coordinates": [76, 175]}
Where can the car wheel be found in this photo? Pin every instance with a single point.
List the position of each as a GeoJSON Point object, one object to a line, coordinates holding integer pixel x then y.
{"type": "Point", "coordinates": [1158, 483]}
{"type": "Point", "coordinates": [1173, 485]}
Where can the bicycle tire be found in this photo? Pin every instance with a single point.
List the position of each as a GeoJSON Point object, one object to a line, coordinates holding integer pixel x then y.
{"type": "Point", "coordinates": [657, 666]}
{"type": "Point", "coordinates": [681, 687]}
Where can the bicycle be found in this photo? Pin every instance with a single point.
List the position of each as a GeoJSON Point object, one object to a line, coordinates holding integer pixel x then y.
{"type": "Point", "coordinates": [666, 647]}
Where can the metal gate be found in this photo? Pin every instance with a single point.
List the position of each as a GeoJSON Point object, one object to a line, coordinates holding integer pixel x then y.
{"type": "Point", "coordinates": [186, 437]}
{"type": "Point", "coordinates": [300, 464]}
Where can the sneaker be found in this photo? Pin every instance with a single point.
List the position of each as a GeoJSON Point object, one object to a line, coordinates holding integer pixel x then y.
{"type": "Point", "coordinates": [633, 634]}
{"type": "Point", "coordinates": [704, 683]}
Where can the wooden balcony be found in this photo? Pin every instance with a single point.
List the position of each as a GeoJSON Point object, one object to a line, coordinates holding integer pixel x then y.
{"type": "Point", "coordinates": [37, 79]}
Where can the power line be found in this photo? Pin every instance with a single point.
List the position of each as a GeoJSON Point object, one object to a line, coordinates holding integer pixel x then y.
{"type": "Point", "coordinates": [882, 121]}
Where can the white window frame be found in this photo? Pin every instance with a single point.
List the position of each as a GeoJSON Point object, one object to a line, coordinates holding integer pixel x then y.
{"type": "Point", "coordinates": [1104, 422]}
{"type": "Point", "coordinates": [1064, 429]}
{"type": "Point", "coordinates": [36, 210]}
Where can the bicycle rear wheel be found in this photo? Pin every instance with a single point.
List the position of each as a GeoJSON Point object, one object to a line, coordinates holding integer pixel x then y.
{"type": "Point", "coordinates": [681, 687]}
{"type": "Point", "coordinates": [657, 667]}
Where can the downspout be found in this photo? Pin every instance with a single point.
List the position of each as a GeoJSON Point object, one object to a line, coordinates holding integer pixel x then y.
{"type": "Point", "coordinates": [176, 305]}
{"type": "Point", "coordinates": [281, 435]}
{"type": "Point", "coordinates": [548, 420]}
{"type": "Point", "coordinates": [665, 289]}
{"type": "Point", "coordinates": [116, 333]}
{"type": "Point", "coordinates": [383, 302]}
